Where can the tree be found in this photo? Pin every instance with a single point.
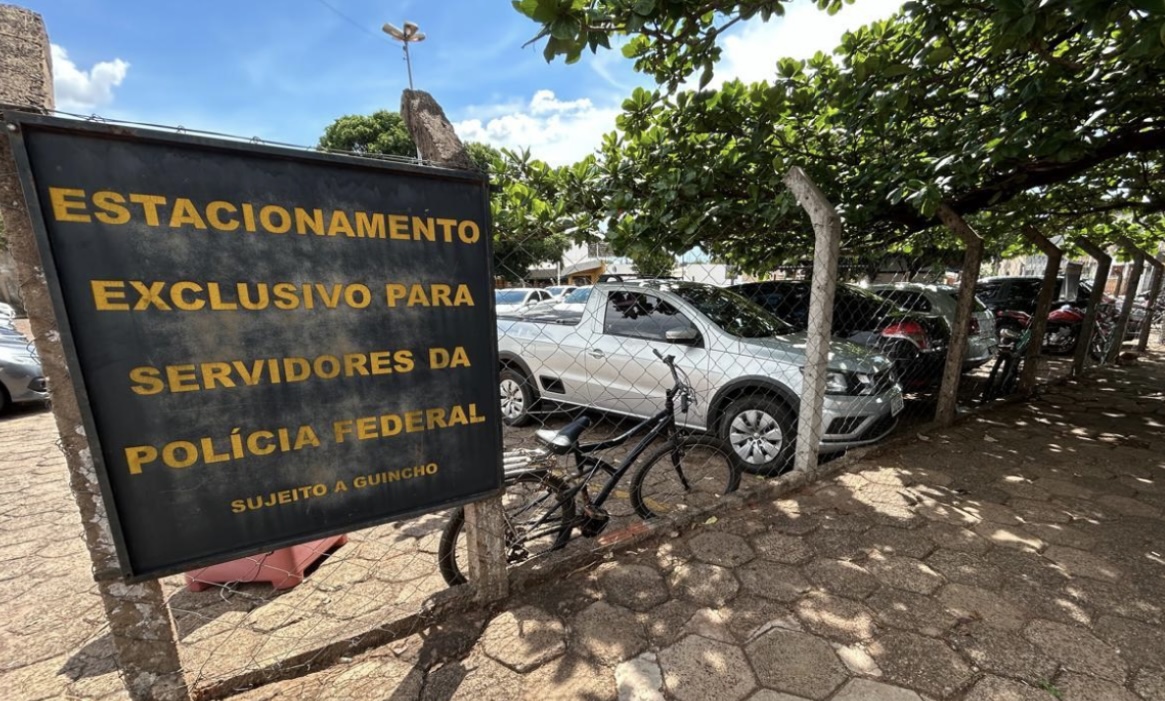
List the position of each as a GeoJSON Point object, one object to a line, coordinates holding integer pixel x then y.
{"type": "Point", "coordinates": [537, 211]}
{"type": "Point", "coordinates": [379, 133]}
{"type": "Point", "coordinates": [949, 103]}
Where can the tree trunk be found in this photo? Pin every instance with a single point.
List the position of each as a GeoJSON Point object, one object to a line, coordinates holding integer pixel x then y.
{"type": "Point", "coordinates": [948, 397]}
{"type": "Point", "coordinates": [1031, 362]}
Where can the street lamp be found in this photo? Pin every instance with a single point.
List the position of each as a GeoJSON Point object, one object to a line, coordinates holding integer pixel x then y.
{"type": "Point", "coordinates": [405, 36]}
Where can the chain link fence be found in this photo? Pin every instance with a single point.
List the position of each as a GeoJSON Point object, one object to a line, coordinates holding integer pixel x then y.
{"type": "Point", "coordinates": [633, 405]}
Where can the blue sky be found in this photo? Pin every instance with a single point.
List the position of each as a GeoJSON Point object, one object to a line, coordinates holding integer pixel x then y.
{"type": "Point", "coordinates": [283, 71]}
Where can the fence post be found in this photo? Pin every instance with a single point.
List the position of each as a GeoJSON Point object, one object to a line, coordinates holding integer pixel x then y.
{"type": "Point", "coordinates": [1088, 326]}
{"type": "Point", "coordinates": [139, 621]}
{"type": "Point", "coordinates": [1152, 302]}
{"type": "Point", "coordinates": [485, 521]}
{"type": "Point", "coordinates": [1027, 380]}
{"type": "Point", "coordinates": [1122, 323]}
{"type": "Point", "coordinates": [827, 230]}
{"type": "Point", "coordinates": [948, 396]}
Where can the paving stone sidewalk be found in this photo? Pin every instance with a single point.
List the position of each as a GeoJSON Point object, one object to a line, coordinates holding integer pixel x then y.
{"type": "Point", "coordinates": [1019, 556]}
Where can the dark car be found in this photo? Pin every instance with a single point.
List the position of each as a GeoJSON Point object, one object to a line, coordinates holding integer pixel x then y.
{"type": "Point", "coordinates": [917, 343]}
{"type": "Point", "coordinates": [1019, 293]}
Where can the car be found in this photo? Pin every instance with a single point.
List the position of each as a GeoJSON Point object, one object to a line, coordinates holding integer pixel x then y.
{"type": "Point", "coordinates": [942, 300]}
{"type": "Point", "coordinates": [515, 298]}
{"type": "Point", "coordinates": [21, 377]}
{"type": "Point", "coordinates": [560, 291]}
{"type": "Point", "coordinates": [917, 343]}
{"type": "Point", "coordinates": [745, 365]}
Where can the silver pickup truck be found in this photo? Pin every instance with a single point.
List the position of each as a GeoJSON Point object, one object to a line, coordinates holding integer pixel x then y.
{"type": "Point", "coordinates": [744, 364]}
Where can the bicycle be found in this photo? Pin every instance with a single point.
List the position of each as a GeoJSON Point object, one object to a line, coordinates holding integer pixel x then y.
{"type": "Point", "coordinates": [1004, 374]}
{"type": "Point", "coordinates": [542, 509]}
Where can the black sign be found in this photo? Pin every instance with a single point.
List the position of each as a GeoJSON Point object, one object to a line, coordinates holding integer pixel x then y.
{"type": "Point", "coordinates": [269, 346]}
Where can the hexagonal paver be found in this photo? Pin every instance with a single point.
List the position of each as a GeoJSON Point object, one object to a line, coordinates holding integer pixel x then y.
{"type": "Point", "coordinates": [796, 663]}
{"type": "Point", "coordinates": [524, 638]}
{"type": "Point", "coordinates": [710, 585]}
{"type": "Point", "coordinates": [770, 695]}
{"type": "Point", "coordinates": [1060, 534]}
{"type": "Point", "coordinates": [637, 587]}
{"type": "Point", "coordinates": [918, 613]}
{"type": "Point", "coordinates": [476, 679]}
{"type": "Point", "coordinates": [773, 580]}
{"type": "Point", "coordinates": [905, 573]}
{"type": "Point", "coordinates": [1079, 686]}
{"type": "Point", "coordinates": [1032, 511]}
{"type": "Point", "coordinates": [897, 541]}
{"type": "Point", "coordinates": [1063, 488]}
{"type": "Point", "coordinates": [997, 689]}
{"type": "Point", "coordinates": [835, 617]}
{"type": "Point", "coordinates": [979, 604]}
{"type": "Point", "coordinates": [722, 549]}
{"type": "Point", "coordinates": [606, 633]}
{"type": "Point", "coordinates": [664, 623]}
{"type": "Point", "coordinates": [842, 577]}
{"type": "Point", "coordinates": [791, 550]}
{"type": "Point", "coordinates": [711, 624]}
{"type": "Point", "coordinates": [922, 663]}
{"type": "Point", "coordinates": [1129, 506]}
{"type": "Point", "coordinates": [568, 677]}
{"type": "Point", "coordinates": [866, 690]}
{"type": "Point", "coordinates": [1010, 535]}
{"type": "Point", "coordinates": [639, 679]}
{"type": "Point", "coordinates": [841, 545]}
{"type": "Point", "coordinates": [1077, 649]}
{"type": "Point", "coordinates": [1142, 645]}
{"type": "Point", "coordinates": [1079, 563]}
{"type": "Point", "coordinates": [951, 537]}
{"type": "Point", "coordinates": [1004, 652]}
{"type": "Point", "coordinates": [1150, 684]}
{"type": "Point", "coordinates": [699, 669]}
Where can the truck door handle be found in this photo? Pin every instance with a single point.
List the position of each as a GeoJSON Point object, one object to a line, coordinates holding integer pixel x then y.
{"type": "Point", "coordinates": [596, 353]}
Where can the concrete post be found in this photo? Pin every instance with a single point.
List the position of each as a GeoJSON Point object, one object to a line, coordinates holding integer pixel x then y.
{"type": "Point", "coordinates": [948, 396]}
{"type": "Point", "coordinates": [485, 522]}
{"type": "Point", "coordinates": [1154, 301]}
{"type": "Point", "coordinates": [1031, 363]}
{"type": "Point", "coordinates": [1122, 323]}
{"type": "Point", "coordinates": [827, 228]}
{"type": "Point", "coordinates": [139, 621]}
{"type": "Point", "coordinates": [1088, 326]}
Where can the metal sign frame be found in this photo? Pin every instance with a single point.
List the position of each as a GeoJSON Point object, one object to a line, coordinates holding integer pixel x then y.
{"type": "Point", "coordinates": [18, 124]}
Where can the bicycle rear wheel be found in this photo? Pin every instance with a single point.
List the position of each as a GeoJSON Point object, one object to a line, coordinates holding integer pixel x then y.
{"type": "Point", "coordinates": [688, 474]}
{"type": "Point", "coordinates": [537, 520]}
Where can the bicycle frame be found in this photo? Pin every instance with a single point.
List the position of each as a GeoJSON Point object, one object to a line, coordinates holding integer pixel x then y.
{"type": "Point", "coordinates": [662, 423]}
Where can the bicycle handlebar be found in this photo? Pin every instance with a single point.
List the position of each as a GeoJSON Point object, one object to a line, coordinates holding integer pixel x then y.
{"type": "Point", "coordinates": [670, 361]}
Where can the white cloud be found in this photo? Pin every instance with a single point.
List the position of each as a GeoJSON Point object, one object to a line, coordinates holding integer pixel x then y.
{"type": "Point", "coordinates": [752, 53]}
{"type": "Point", "coordinates": [79, 90]}
{"type": "Point", "coordinates": [557, 131]}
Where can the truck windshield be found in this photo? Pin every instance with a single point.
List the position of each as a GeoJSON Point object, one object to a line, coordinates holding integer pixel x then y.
{"type": "Point", "coordinates": [735, 314]}
{"type": "Point", "coordinates": [509, 296]}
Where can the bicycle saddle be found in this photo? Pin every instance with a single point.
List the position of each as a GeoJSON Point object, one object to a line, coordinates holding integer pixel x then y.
{"type": "Point", "coordinates": [562, 441]}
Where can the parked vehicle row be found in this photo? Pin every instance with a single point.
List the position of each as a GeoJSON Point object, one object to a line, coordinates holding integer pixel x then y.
{"type": "Point", "coordinates": [21, 377]}
{"type": "Point", "coordinates": [744, 363]}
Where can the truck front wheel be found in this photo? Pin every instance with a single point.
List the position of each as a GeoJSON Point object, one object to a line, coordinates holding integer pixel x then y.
{"type": "Point", "coordinates": [517, 396]}
{"type": "Point", "coordinates": [761, 432]}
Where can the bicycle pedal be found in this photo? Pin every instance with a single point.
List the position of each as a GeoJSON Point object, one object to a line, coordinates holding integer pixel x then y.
{"type": "Point", "coordinates": [593, 520]}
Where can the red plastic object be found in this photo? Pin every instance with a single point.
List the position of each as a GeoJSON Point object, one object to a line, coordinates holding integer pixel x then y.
{"type": "Point", "coordinates": [283, 568]}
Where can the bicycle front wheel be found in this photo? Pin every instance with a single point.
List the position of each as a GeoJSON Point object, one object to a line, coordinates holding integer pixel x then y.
{"type": "Point", "coordinates": [687, 474]}
{"type": "Point", "coordinates": [538, 517]}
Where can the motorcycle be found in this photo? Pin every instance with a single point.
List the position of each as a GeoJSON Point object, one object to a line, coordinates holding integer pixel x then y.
{"type": "Point", "coordinates": [1062, 333]}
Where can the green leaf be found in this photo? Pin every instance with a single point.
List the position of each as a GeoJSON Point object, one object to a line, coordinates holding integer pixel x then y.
{"type": "Point", "coordinates": [939, 54]}
{"type": "Point", "coordinates": [643, 7]}
{"type": "Point", "coordinates": [565, 28]}
{"type": "Point", "coordinates": [706, 75]}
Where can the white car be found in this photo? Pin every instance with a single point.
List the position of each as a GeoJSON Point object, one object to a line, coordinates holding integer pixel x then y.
{"type": "Point", "coordinates": [7, 315]}
{"type": "Point", "coordinates": [942, 300]}
{"type": "Point", "coordinates": [515, 299]}
{"type": "Point", "coordinates": [560, 291]}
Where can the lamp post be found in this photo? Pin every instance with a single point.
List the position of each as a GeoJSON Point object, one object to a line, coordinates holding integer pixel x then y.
{"type": "Point", "coordinates": [411, 33]}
